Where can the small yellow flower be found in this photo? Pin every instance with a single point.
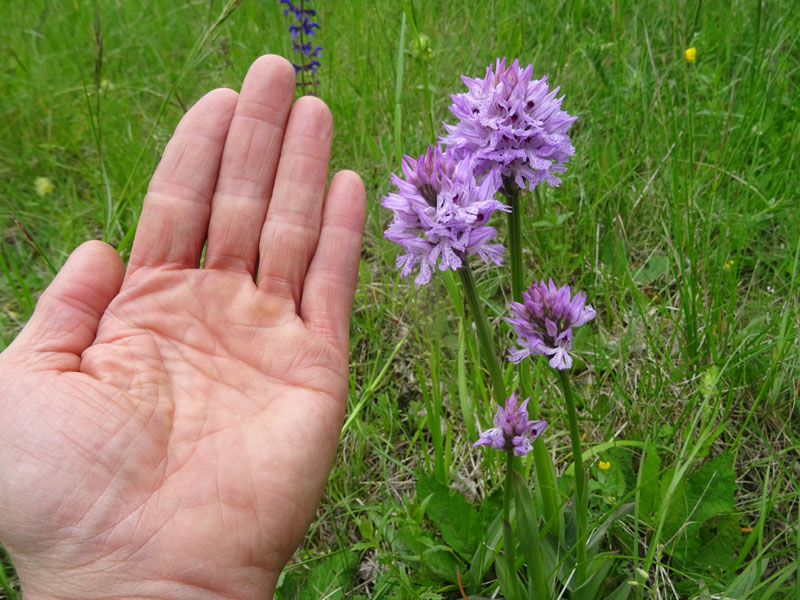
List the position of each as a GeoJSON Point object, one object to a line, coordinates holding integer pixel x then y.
{"type": "Point", "coordinates": [728, 264]}
{"type": "Point", "coordinates": [604, 465]}
{"type": "Point", "coordinates": [691, 54]}
{"type": "Point", "coordinates": [43, 186]}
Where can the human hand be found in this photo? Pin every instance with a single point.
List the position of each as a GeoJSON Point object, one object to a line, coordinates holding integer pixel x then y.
{"type": "Point", "coordinates": [169, 434]}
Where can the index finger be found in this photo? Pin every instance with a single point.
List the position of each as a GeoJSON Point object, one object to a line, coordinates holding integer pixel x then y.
{"type": "Point", "coordinates": [174, 221]}
{"type": "Point", "coordinates": [331, 278]}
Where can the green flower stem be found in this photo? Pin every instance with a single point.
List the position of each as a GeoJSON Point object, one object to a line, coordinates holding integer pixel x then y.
{"type": "Point", "coordinates": [486, 344]}
{"type": "Point", "coordinates": [581, 500]}
{"type": "Point", "coordinates": [508, 533]}
{"type": "Point", "coordinates": [530, 537]}
{"type": "Point", "coordinates": [545, 470]}
{"type": "Point", "coordinates": [548, 488]}
{"type": "Point", "coordinates": [511, 194]}
{"type": "Point", "coordinates": [507, 492]}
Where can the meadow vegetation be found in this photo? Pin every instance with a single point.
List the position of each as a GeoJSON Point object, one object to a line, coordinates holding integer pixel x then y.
{"type": "Point", "coordinates": [678, 216]}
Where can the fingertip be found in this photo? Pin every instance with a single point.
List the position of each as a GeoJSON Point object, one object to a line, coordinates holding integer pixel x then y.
{"type": "Point", "coordinates": [352, 179]}
{"type": "Point", "coordinates": [273, 61]}
{"type": "Point", "coordinates": [99, 255]}
{"type": "Point", "coordinates": [274, 69]}
{"type": "Point", "coordinates": [92, 276]}
{"type": "Point", "coordinates": [66, 316]}
{"type": "Point", "coordinates": [214, 108]}
{"type": "Point", "coordinates": [309, 133]}
{"type": "Point", "coordinates": [317, 116]}
{"type": "Point", "coordinates": [222, 98]}
{"type": "Point", "coordinates": [347, 188]}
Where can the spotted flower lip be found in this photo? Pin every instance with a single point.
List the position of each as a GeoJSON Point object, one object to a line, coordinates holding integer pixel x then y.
{"type": "Point", "coordinates": [513, 431]}
{"type": "Point", "coordinates": [544, 321]}
{"type": "Point", "coordinates": [441, 214]}
{"type": "Point", "coordinates": [514, 126]}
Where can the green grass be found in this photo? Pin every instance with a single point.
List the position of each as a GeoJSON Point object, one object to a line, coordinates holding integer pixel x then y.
{"type": "Point", "coordinates": [678, 215]}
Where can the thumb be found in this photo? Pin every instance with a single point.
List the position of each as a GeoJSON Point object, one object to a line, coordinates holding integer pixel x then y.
{"type": "Point", "coordinates": [64, 322]}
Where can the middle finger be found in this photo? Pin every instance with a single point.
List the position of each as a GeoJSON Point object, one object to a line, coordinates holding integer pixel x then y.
{"type": "Point", "coordinates": [249, 163]}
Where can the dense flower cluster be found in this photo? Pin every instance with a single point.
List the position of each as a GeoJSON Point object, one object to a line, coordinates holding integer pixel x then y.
{"type": "Point", "coordinates": [513, 125]}
{"type": "Point", "coordinates": [544, 321]}
{"type": "Point", "coordinates": [304, 27]}
{"type": "Point", "coordinates": [513, 431]}
{"type": "Point", "coordinates": [511, 130]}
{"type": "Point", "coordinates": [441, 214]}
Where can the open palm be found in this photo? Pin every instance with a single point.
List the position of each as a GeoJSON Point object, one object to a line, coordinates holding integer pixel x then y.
{"type": "Point", "coordinates": [169, 434]}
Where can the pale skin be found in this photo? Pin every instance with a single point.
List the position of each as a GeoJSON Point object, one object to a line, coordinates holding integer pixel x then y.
{"type": "Point", "coordinates": [166, 429]}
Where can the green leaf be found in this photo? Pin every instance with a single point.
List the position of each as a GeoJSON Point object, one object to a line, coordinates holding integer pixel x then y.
{"type": "Point", "coordinates": [704, 449]}
{"type": "Point", "coordinates": [441, 562]}
{"type": "Point", "coordinates": [529, 537]}
{"type": "Point", "coordinates": [706, 533]}
{"type": "Point", "coordinates": [557, 558]}
{"type": "Point", "coordinates": [720, 539]}
{"type": "Point", "coordinates": [484, 555]}
{"type": "Point", "coordinates": [456, 519]}
{"type": "Point", "coordinates": [366, 528]}
{"type": "Point", "coordinates": [491, 506]}
{"type": "Point", "coordinates": [510, 584]}
{"type": "Point", "coordinates": [621, 593]}
{"type": "Point", "coordinates": [332, 578]}
{"type": "Point", "coordinates": [593, 543]}
{"type": "Point", "coordinates": [596, 578]}
{"type": "Point", "coordinates": [409, 543]}
{"type": "Point", "coordinates": [614, 483]}
{"type": "Point", "coordinates": [712, 488]}
{"type": "Point", "coordinates": [289, 585]}
{"type": "Point", "coordinates": [747, 581]}
{"type": "Point", "coordinates": [613, 255]}
{"type": "Point", "coordinates": [648, 493]}
{"type": "Point", "coordinates": [655, 267]}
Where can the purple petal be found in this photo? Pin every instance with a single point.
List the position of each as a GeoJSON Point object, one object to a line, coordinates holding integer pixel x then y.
{"type": "Point", "coordinates": [441, 212]}
{"type": "Point", "coordinates": [561, 359]}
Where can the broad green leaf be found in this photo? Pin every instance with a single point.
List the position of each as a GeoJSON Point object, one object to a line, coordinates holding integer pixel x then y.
{"type": "Point", "coordinates": [700, 520]}
{"type": "Point", "coordinates": [712, 488]}
{"type": "Point", "coordinates": [331, 578]}
{"type": "Point", "coordinates": [456, 519]}
{"type": "Point", "coordinates": [720, 539]}
{"type": "Point", "coordinates": [614, 480]}
{"type": "Point", "coordinates": [441, 562]}
{"type": "Point", "coordinates": [366, 528]}
{"type": "Point", "coordinates": [409, 543]}
{"type": "Point", "coordinates": [655, 267]}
